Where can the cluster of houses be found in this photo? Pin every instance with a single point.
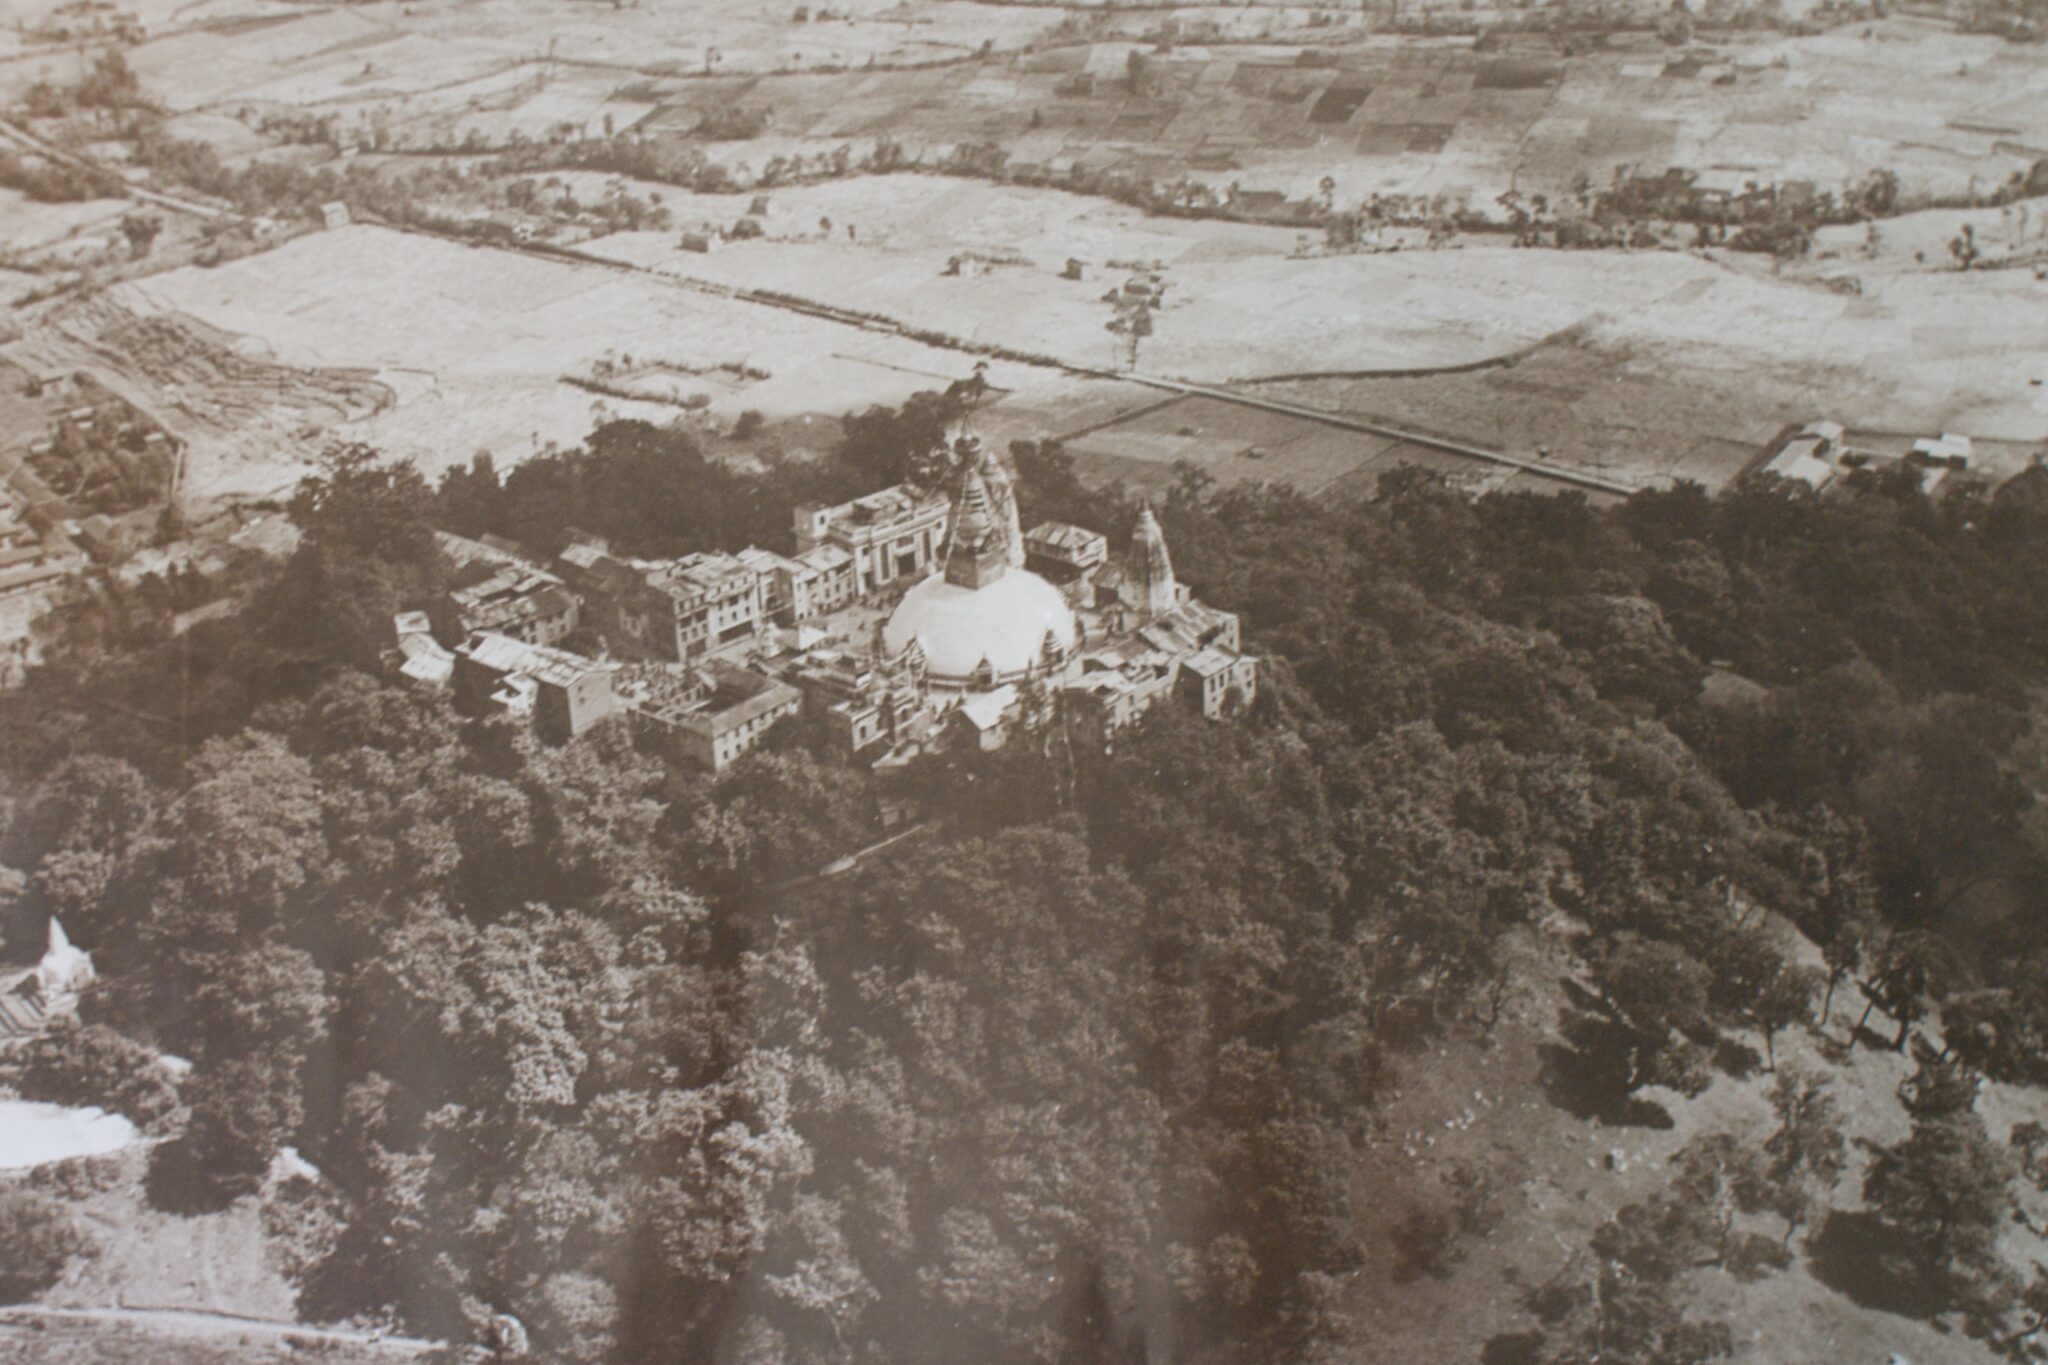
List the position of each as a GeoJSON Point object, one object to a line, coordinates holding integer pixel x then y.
{"type": "Point", "coordinates": [904, 620]}
{"type": "Point", "coordinates": [1821, 453]}
{"type": "Point", "coordinates": [47, 543]}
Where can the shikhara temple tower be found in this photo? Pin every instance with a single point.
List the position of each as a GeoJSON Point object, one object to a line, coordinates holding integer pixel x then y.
{"type": "Point", "coordinates": [1149, 569]}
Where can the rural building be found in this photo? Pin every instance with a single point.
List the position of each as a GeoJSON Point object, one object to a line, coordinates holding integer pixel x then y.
{"type": "Point", "coordinates": [334, 214]}
{"type": "Point", "coordinates": [101, 537]}
{"type": "Point", "coordinates": [562, 694]}
{"type": "Point", "coordinates": [1948, 450]}
{"type": "Point", "coordinates": [1062, 551]}
{"type": "Point", "coordinates": [419, 657]}
{"type": "Point", "coordinates": [987, 716]}
{"type": "Point", "coordinates": [1810, 456]}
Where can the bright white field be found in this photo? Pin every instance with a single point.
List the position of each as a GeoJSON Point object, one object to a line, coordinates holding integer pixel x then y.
{"type": "Point", "coordinates": [474, 342]}
{"type": "Point", "coordinates": [373, 51]}
{"type": "Point", "coordinates": [1919, 242]}
{"type": "Point", "coordinates": [28, 226]}
{"type": "Point", "coordinates": [37, 1134]}
{"type": "Point", "coordinates": [1959, 351]}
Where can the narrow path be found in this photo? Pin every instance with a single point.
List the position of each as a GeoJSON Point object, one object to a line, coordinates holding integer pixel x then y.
{"type": "Point", "coordinates": [200, 1322]}
{"type": "Point", "coordinates": [1580, 478]}
{"type": "Point", "coordinates": [28, 141]}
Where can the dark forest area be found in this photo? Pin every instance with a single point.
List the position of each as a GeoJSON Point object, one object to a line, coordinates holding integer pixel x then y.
{"type": "Point", "coordinates": [587, 1051]}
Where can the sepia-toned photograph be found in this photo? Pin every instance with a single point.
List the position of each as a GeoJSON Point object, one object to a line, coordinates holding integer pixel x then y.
{"type": "Point", "coordinates": [1023, 682]}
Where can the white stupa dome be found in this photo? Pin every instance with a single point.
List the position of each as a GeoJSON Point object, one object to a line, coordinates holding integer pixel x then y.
{"type": "Point", "coordinates": [1003, 623]}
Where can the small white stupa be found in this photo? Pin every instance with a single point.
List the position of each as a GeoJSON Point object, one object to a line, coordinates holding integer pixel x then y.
{"type": "Point", "coordinates": [65, 969]}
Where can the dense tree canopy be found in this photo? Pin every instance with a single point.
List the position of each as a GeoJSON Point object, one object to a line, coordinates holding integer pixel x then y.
{"type": "Point", "coordinates": [1081, 1068]}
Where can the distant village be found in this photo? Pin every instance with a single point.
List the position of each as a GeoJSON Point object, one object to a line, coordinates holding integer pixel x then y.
{"type": "Point", "coordinates": [1821, 454]}
{"type": "Point", "coordinates": [908, 620]}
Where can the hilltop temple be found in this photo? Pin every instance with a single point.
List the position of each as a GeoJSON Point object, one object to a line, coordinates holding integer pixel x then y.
{"type": "Point", "coordinates": [985, 620]}
{"type": "Point", "coordinates": [1113, 638]}
{"type": "Point", "coordinates": [708, 651]}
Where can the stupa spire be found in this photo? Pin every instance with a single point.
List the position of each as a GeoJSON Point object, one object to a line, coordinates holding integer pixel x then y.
{"type": "Point", "coordinates": [979, 553]}
{"type": "Point", "coordinates": [1002, 493]}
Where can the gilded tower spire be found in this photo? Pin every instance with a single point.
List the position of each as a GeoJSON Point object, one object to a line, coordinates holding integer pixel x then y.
{"type": "Point", "coordinates": [979, 553]}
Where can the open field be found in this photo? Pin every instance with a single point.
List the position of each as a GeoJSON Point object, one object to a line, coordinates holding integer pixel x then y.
{"type": "Point", "coordinates": [1670, 364]}
{"type": "Point", "coordinates": [474, 344]}
{"type": "Point", "coordinates": [34, 229]}
{"type": "Point", "coordinates": [1917, 243]}
{"type": "Point", "coordinates": [1915, 349]}
{"type": "Point", "coordinates": [148, 1258]}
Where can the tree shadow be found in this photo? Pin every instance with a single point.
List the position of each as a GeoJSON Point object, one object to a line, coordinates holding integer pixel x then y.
{"type": "Point", "coordinates": [178, 1182]}
{"type": "Point", "coordinates": [1513, 1348]}
{"type": "Point", "coordinates": [1855, 1255]}
{"type": "Point", "coordinates": [1588, 1076]}
{"type": "Point", "coordinates": [1736, 1059]}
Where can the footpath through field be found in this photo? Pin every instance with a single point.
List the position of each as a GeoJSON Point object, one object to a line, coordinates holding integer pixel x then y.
{"type": "Point", "coordinates": [1534, 467]}
{"type": "Point", "coordinates": [198, 1322]}
{"type": "Point", "coordinates": [1581, 478]}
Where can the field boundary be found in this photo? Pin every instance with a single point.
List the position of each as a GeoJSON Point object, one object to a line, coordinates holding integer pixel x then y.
{"type": "Point", "coordinates": [1505, 360]}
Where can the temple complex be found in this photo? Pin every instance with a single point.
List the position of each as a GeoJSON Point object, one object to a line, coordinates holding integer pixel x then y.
{"type": "Point", "coordinates": [905, 620]}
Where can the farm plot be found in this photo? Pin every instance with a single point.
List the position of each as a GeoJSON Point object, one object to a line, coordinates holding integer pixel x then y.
{"type": "Point", "coordinates": [478, 345]}
{"type": "Point", "coordinates": [30, 228]}
{"type": "Point", "coordinates": [246, 424]}
{"type": "Point", "coordinates": [1951, 350]}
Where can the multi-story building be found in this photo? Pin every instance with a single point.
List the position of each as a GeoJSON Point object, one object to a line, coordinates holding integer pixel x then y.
{"type": "Point", "coordinates": [816, 583]}
{"type": "Point", "coordinates": [563, 694]}
{"type": "Point", "coordinates": [867, 702]}
{"type": "Point", "coordinates": [518, 600]}
{"type": "Point", "coordinates": [677, 610]}
{"type": "Point", "coordinates": [709, 715]}
{"type": "Point", "coordinates": [896, 535]}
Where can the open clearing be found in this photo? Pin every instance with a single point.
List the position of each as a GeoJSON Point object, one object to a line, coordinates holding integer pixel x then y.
{"type": "Point", "coordinates": [41, 1133]}
{"type": "Point", "coordinates": [31, 228]}
{"type": "Point", "coordinates": [1487, 1108]}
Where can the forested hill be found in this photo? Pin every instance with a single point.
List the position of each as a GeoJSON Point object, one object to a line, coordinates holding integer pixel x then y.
{"type": "Point", "coordinates": [1085, 1071]}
